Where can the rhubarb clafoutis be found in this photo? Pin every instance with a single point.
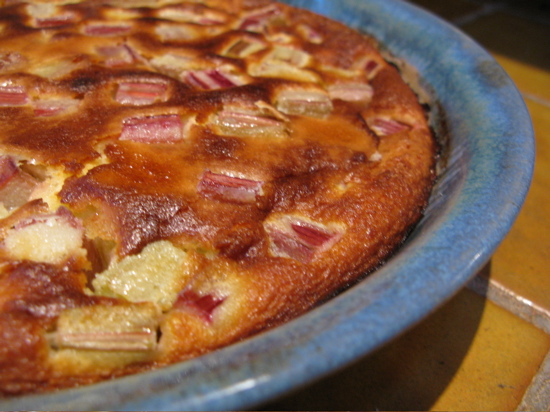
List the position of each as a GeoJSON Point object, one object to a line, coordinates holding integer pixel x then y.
{"type": "Point", "coordinates": [178, 176]}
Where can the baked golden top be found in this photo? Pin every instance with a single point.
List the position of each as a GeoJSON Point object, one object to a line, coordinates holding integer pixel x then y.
{"type": "Point", "coordinates": [176, 176]}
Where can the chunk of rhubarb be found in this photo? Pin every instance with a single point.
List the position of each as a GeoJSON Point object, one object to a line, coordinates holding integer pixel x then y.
{"type": "Point", "coordinates": [210, 79]}
{"type": "Point", "coordinates": [243, 48]}
{"type": "Point", "coordinates": [383, 126]}
{"type": "Point", "coordinates": [253, 122]}
{"type": "Point", "coordinates": [131, 327]}
{"type": "Point", "coordinates": [177, 32]}
{"type": "Point", "coordinates": [51, 238]}
{"type": "Point", "coordinates": [141, 93]}
{"type": "Point", "coordinates": [57, 68]}
{"type": "Point", "coordinates": [107, 29]}
{"type": "Point", "coordinates": [229, 188]}
{"type": "Point", "coordinates": [304, 102]}
{"type": "Point", "coordinates": [115, 56]}
{"type": "Point", "coordinates": [53, 107]}
{"type": "Point", "coordinates": [288, 55]}
{"type": "Point", "coordinates": [203, 305]}
{"type": "Point", "coordinates": [299, 239]}
{"type": "Point", "coordinates": [310, 34]}
{"type": "Point", "coordinates": [8, 169]}
{"type": "Point", "coordinates": [13, 95]}
{"type": "Point", "coordinates": [351, 92]}
{"type": "Point", "coordinates": [284, 244]}
{"type": "Point", "coordinates": [313, 236]}
{"type": "Point", "coordinates": [47, 15]}
{"type": "Point", "coordinates": [271, 67]}
{"type": "Point", "coordinates": [16, 185]}
{"type": "Point", "coordinates": [58, 20]}
{"type": "Point", "coordinates": [188, 15]}
{"type": "Point", "coordinates": [154, 129]}
{"type": "Point", "coordinates": [257, 20]}
{"type": "Point", "coordinates": [371, 67]}
{"type": "Point", "coordinates": [172, 64]}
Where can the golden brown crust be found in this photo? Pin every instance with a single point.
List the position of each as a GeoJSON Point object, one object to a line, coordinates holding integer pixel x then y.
{"type": "Point", "coordinates": [218, 168]}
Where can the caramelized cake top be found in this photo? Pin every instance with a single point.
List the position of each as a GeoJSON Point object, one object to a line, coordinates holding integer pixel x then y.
{"type": "Point", "coordinates": [176, 176]}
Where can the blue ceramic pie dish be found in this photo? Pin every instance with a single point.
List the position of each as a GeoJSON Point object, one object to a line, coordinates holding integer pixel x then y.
{"type": "Point", "coordinates": [485, 175]}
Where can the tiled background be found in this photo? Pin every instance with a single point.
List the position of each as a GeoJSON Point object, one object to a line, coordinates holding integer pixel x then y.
{"type": "Point", "coordinates": [488, 348]}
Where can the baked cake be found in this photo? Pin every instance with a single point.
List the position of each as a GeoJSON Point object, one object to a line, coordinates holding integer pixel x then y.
{"type": "Point", "coordinates": [178, 176]}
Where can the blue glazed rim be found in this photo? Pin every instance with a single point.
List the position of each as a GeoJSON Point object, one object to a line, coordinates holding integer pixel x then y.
{"type": "Point", "coordinates": [479, 194]}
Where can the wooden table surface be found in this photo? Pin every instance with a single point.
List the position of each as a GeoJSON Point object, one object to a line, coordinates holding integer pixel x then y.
{"type": "Point", "coordinates": [488, 348]}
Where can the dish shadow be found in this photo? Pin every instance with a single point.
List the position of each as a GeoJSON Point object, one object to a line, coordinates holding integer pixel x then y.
{"type": "Point", "coordinates": [421, 363]}
{"type": "Point", "coordinates": [483, 20]}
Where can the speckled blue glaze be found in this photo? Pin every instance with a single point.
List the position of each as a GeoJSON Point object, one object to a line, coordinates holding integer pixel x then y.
{"type": "Point", "coordinates": [480, 192]}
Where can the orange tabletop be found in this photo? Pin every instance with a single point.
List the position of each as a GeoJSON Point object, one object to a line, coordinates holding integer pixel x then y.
{"type": "Point", "coordinates": [488, 348]}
